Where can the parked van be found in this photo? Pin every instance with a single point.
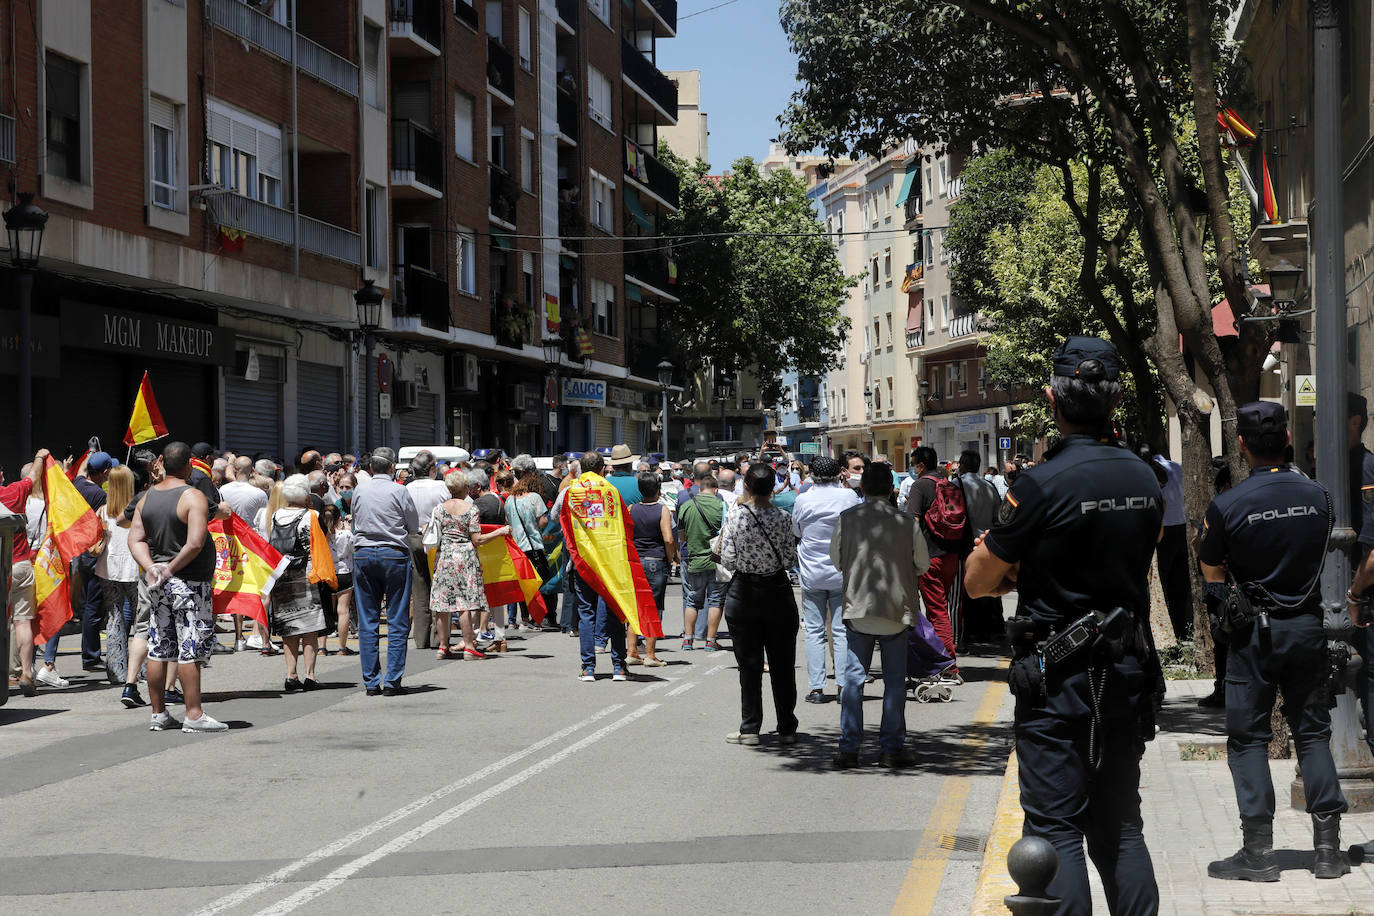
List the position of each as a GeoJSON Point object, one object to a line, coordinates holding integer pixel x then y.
{"type": "Point", "coordinates": [448, 454]}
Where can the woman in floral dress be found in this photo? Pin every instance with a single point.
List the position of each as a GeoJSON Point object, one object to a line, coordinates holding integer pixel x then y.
{"type": "Point", "coordinates": [457, 587]}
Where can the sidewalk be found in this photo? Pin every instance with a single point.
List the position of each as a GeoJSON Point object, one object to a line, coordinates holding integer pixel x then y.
{"type": "Point", "coordinates": [1190, 819]}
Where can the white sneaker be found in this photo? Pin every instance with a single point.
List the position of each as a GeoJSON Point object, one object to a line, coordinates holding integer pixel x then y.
{"type": "Point", "coordinates": [253, 642]}
{"type": "Point", "coordinates": [241, 645]}
{"type": "Point", "coordinates": [203, 724]}
{"type": "Point", "coordinates": [49, 677]}
{"type": "Point", "coordinates": [162, 721]}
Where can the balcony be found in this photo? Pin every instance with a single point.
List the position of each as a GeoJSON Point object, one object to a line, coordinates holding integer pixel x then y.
{"type": "Point", "coordinates": [567, 15]}
{"type": "Point", "coordinates": [915, 209]}
{"type": "Point", "coordinates": [417, 169]}
{"type": "Point", "coordinates": [649, 82]}
{"type": "Point", "coordinates": [277, 225]}
{"type": "Point", "coordinates": [568, 117]}
{"type": "Point", "coordinates": [6, 138]}
{"type": "Point", "coordinates": [330, 241]}
{"type": "Point", "coordinates": [504, 192]}
{"type": "Point", "coordinates": [644, 168]}
{"type": "Point", "coordinates": [915, 339]}
{"type": "Point", "coordinates": [422, 294]}
{"type": "Point", "coordinates": [466, 13]}
{"type": "Point", "coordinates": [416, 28]}
{"type": "Point", "coordinates": [512, 323]}
{"type": "Point", "coordinates": [964, 325]}
{"type": "Point", "coordinates": [500, 71]}
{"type": "Point", "coordinates": [647, 267]}
{"type": "Point", "coordinates": [266, 33]}
{"type": "Point", "coordinates": [665, 14]}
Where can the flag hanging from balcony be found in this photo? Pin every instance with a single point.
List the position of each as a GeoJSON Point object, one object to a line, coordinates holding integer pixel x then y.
{"type": "Point", "coordinates": [231, 240]}
{"type": "Point", "coordinates": [914, 272]}
{"type": "Point", "coordinates": [1268, 204]}
{"type": "Point", "coordinates": [1234, 130]}
{"type": "Point", "coordinates": [146, 423]}
{"type": "Point", "coordinates": [553, 319]}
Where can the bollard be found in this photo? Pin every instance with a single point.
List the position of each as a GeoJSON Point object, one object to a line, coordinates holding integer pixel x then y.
{"type": "Point", "coordinates": [1032, 864]}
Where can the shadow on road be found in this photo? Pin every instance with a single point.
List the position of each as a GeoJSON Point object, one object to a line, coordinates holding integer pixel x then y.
{"type": "Point", "coordinates": [9, 715]}
{"type": "Point", "coordinates": [939, 751]}
{"type": "Point", "coordinates": [1185, 717]}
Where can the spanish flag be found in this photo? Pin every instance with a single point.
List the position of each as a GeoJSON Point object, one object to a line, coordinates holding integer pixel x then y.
{"type": "Point", "coordinates": [509, 576]}
{"type": "Point", "coordinates": [601, 542]}
{"type": "Point", "coordinates": [246, 568]}
{"type": "Point", "coordinates": [72, 528]}
{"type": "Point", "coordinates": [1268, 204]}
{"type": "Point", "coordinates": [146, 423]}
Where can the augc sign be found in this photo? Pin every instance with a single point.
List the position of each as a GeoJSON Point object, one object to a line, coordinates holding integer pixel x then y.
{"type": "Point", "coordinates": [584, 392]}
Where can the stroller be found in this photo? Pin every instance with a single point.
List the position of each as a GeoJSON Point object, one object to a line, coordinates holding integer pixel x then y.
{"type": "Point", "coordinates": [926, 661]}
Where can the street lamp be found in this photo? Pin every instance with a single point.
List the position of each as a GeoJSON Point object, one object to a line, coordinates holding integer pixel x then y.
{"type": "Point", "coordinates": [24, 222]}
{"type": "Point", "coordinates": [553, 356]}
{"type": "Point", "coordinates": [369, 302]}
{"type": "Point", "coordinates": [1283, 282]}
{"type": "Point", "coordinates": [725, 391]}
{"type": "Point", "coordinates": [665, 378]}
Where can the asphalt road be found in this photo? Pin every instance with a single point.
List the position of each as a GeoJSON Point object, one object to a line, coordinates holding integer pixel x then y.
{"type": "Point", "coordinates": [504, 786]}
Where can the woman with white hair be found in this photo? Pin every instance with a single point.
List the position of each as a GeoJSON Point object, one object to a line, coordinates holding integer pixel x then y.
{"type": "Point", "coordinates": [298, 616]}
{"type": "Point", "coordinates": [458, 587]}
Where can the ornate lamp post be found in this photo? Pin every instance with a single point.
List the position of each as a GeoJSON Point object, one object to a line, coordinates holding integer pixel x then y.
{"type": "Point", "coordinates": [369, 302]}
{"type": "Point", "coordinates": [725, 391]}
{"type": "Point", "coordinates": [24, 223]}
{"type": "Point", "coordinates": [665, 378]}
{"type": "Point", "coordinates": [553, 356]}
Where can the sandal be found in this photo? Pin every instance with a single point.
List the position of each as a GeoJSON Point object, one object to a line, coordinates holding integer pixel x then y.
{"type": "Point", "coordinates": [634, 660]}
{"type": "Point", "coordinates": [497, 646]}
{"type": "Point", "coordinates": [448, 653]}
{"type": "Point", "coordinates": [654, 663]}
{"type": "Point", "coordinates": [473, 655]}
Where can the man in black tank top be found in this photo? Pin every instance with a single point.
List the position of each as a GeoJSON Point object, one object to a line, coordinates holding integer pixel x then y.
{"type": "Point", "coordinates": [170, 540]}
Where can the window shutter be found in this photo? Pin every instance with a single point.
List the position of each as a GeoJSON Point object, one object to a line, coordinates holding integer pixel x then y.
{"type": "Point", "coordinates": [162, 113]}
{"type": "Point", "coordinates": [372, 38]}
{"type": "Point", "coordinates": [269, 154]}
{"type": "Point", "coordinates": [220, 130]}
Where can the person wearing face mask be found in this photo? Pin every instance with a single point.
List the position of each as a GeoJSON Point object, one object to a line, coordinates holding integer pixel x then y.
{"type": "Point", "coordinates": [852, 468]}
{"type": "Point", "coordinates": [904, 488]}
{"type": "Point", "coordinates": [346, 484]}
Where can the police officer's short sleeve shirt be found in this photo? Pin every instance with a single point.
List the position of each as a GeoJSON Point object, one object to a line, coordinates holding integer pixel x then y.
{"type": "Point", "coordinates": [1083, 525]}
{"type": "Point", "coordinates": [1362, 510]}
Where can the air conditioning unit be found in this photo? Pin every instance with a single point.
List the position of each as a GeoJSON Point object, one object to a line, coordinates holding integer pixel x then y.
{"type": "Point", "coordinates": [407, 395]}
{"type": "Point", "coordinates": [463, 371]}
{"type": "Point", "coordinates": [515, 397]}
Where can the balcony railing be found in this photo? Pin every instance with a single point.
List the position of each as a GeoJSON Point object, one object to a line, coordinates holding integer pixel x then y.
{"type": "Point", "coordinates": [465, 12]}
{"type": "Point", "coordinates": [567, 11]}
{"type": "Point", "coordinates": [648, 78]}
{"type": "Point", "coordinates": [6, 138]}
{"type": "Point", "coordinates": [422, 294]}
{"type": "Point", "coordinates": [500, 68]}
{"type": "Point", "coordinates": [667, 11]}
{"type": "Point", "coordinates": [424, 17]}
{"type": "Point", "coordinates": [915, 339]}
{"type": "Point", "coordinates": [512, 323]}
{"type": "Point", "coordinates": [503, 194]}
{"type": "Point", "coordinates": [964, 325]}
{"type": "Point", "coordinates": [330, 240]}
{"type": "Point", "coordinates": [650, 267]}
{"type": "Point", "coordinates": [915, 207]}
{"type": "Point", "coordinates": [648, 171]}
{"type": "Point", "coordinates": [415, 149]}
{"type": "Point", "coordinates": [271, 36]}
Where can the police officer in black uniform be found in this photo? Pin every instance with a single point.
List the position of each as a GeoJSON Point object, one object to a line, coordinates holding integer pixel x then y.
{"type": "Point", "coordinates": [1361, 506]}
{"type": "Point", "coordinates": [1075, 537]}
{"type": "Point", "coordinates": [1268, 535]}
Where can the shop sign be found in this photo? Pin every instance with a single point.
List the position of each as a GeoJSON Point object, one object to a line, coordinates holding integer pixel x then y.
{"type": "Point", "coordinates": [810, 448]}
{"type": "Point", "coordinates": [624, 397]}
{"type": "Point", "coordinates": [973, 424]}
{"type": "Point", "coordinates": [45, 343]}
{"type": "Point", "coordinates": [95, 327]}
{"type": "Point", "coordinates": [584, 392]}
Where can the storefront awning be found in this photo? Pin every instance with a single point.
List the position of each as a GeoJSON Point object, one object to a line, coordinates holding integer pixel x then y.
{"type": "Point", "coordinates": [907, 182]}
{"type": "Point", "coordinates": [632, 203]}
{"type": "Point", "coordinates": [500, 240]}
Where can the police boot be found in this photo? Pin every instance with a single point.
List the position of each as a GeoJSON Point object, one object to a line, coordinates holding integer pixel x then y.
{"type": "Point", "coordinates": [1255, 861]}
{"type": "Point", "coordinates": [1329, 861]}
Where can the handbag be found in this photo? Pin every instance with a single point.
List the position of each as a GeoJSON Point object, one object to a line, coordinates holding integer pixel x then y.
{"type": "Point", "coordinates": [430, 539]}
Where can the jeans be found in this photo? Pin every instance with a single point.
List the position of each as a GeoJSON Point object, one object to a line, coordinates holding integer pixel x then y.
{"type": "Point", "coordinates": [382, 573]}
{"type": "Point", "coordinates": [656, 571]}
{"type": "Point", "coordinates": [89, 606]}
{"type": "Point", "coordinates": [818, 606]}
{"type": "Point", "coordinates": [594, 618]}
{"type": "Point", "coordinates": [121, 604]}
{"type": "Point", "coordinates": [858, 654]}
{"type": "Point", "coordinates": [568, 620]}
{"type": "Point", "coordinates": [763, 624]}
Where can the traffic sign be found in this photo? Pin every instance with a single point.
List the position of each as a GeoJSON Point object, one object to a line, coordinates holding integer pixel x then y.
{"type": "Point", "coordinates": [810, 448]}
{"type": "Point", "coordinates": [1004, 443]}
{"type": "Point", "coordinates": [1307, 391]}
{"type": "Point", "coordinates": [553, 421]}
{"type": "Point", "coordinates": [384, 406]}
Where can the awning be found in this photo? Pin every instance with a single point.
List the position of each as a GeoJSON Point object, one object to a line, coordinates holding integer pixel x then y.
{"type": "Point", "coordinates": [500, 240]}
{"type": "Point", "coordinates": [633, 292]}
{"type": "Point", "coordinates": [914, 314]}
{"type": "Point", "coordinates": [636, 208]}
{"type": "Point", "coordinates": [907, 182]}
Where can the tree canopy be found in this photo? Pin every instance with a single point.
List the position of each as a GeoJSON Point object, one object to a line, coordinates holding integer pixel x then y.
{"type": "Point", "coordinates": [761, 287]}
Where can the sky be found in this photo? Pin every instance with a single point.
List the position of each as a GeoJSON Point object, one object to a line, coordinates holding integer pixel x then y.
{"type": "Point", "coordinates": [747, 72]}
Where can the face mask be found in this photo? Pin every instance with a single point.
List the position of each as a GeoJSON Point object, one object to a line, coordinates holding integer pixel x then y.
{"type": "Point", "coordinates": [563, 471]}
{"type": "Point", "coordinates": [345, 499]}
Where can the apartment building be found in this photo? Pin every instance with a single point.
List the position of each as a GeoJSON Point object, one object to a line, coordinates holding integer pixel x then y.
{"type": "Point", "coordinates": [690, 137]}
{"type": "Point", "coordinates": [842, 391]}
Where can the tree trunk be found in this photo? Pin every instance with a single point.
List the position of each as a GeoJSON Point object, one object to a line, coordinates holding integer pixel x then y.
{"type": "Point", "coordinates": [1198, 491]}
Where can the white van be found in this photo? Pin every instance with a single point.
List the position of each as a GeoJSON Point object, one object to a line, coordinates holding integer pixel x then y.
{"type": "Point", "coordinates": [448, 454]}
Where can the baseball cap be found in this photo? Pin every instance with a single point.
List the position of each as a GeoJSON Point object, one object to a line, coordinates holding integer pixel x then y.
{"type": "Point", "coordinates": [1091, 359]}
{"type": "Point", "coordinates": [1260, 417]}
{"type": "Point", "coordinates": [100, 462]}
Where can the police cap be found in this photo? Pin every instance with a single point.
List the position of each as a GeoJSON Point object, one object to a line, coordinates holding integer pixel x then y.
{"type": "Point", "coordinates": [1091, 359]}
{"type": "Point", "coordinates": [1261, 417]}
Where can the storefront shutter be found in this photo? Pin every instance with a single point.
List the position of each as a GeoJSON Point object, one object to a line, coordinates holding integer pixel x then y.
{"type": "Point", "coordinates": [319, 407]}
{"type": "Point", "coordinates": [605, 431]}
{"type": "Point", "coordinates": [253, 410]}
{"type": "Point", "coordinates": [417, 426]}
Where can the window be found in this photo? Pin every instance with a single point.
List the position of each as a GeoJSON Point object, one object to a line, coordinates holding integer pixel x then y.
{"type": "Point", "coordinates": [462, 121]}
{"type": "Point", "coordinates": [889, 329]}
{"type": "Point", "coordinates": [162, 116]}
{"type": "Point", "coordinates": [877, 399]}
{"type": "Point", "coordinates": [494, 19]}
{"type": "Point", "coordinates": [963, 377]}
{"type": "Point", "coordinates": [982, 378]}
{"type": "Point", "coordinates": [467, 262]}
{"type": "Point", "coordinates": [887, 202]}
{"type": "Point", "coordinates": [245, 153]}
{"type": "Point", "coordinates": [498, 146]}
{"type": "Point", "coordinates": [839, 222]}
{"type": "Point", "coordinates": [951, 380]}
{"type": "Point", "coordinates": [877, 334]}
{"type": "Point", "coordinates": [930, 248]}
{"type": "Point", "coordinates": [930, 185]}
{"type": "Point", "coordinates": [65, 157]}
{"type": "Point", "coordinates": [374, 203]}
{"type": "Point", "coordinates": [944, 252]}
{"type": "Point", "coordinates": [603, 306]}
{"type": "Point", "coordinates": [603, 203]}
{"type": "Point", "coordinates": [527, 276]}
{"type": "Point", "coordinates": [874, 273]}
{"type": "Point", "coordinates": [891, 401]}
{"type": "Point", "coordinates": [599, 97]}
{"type": "Point", "coordinates": [527, 154]}
{"type": "Point", "coordinates": [602, 9]}
{"type": "Point", "coordinates": [944, 176]}
{"type": "Point", "coordinates": [887, 265]}
{"type": "Point", "coordinates": [525, 39]}
{"type": "Point", "coordinates": [372, 49]}
{"type": "Point", "coordinates": [868, 341]}
{"type": "Point", "coordinates": [944, 311]}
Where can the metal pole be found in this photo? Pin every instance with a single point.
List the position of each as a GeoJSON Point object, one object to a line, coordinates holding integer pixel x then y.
{"type": "Point", "coordinates": [24, 281]}
{"type": "Point", "coordinates": [1333, 455]}
{"type": "Point", "coordinates": [368, 341]}
{"type": "Point", "coordinates": [723, 431]}
{"type": "Point", "coordinates": [664, 428]}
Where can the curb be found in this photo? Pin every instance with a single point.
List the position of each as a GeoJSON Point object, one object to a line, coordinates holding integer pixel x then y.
{"type": "Point", "coordinates": [993, 881]}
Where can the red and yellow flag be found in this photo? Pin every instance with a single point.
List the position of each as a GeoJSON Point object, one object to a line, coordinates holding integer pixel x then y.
{"type": "Point", "coordinates": [72, 528]}
{"type": "Point", "coordinates": [601, 542]}
{"type": "Point", "coordinates": [246, 568]}
{"type": "Point", "coordinates": [1268, 204]}
{"type": "Point", "coordinates": [146, 423]}
{"type": "Point", "coordinates": [509, 576]}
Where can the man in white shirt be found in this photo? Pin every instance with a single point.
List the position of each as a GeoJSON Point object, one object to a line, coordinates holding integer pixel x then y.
{"type": "Point", "coordinates": [813, 521]}
{"type": "Point", "coordinates": [427, 493]}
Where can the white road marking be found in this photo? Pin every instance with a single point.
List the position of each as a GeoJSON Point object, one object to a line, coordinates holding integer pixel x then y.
{"type": "Point", "coordinates": [344, 872]}
{"type": "Point", "coordinates": [720, 667]}
{"type": "Point", "coordinates": [248, 891]}
{"type": "Point", "coordinates": [681, 689]}
{"type": "Point", "coordinates": [650, 688]}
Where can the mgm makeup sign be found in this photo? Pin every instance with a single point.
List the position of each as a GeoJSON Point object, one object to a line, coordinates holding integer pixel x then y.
{"type": "Point", "coordinates": [96, 327]}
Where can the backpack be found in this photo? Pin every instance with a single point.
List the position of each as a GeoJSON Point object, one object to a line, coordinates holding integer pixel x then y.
{"type": "Point", "coordinates": [285, 540]}
{"type": "Point", "coordinates": [946, 517]}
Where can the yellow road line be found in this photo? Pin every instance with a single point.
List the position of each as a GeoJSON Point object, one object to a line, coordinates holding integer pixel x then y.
{"type": "Point", "coordinates": [993, 881]}
{"type": "Point", "coordinates": [923, 879]}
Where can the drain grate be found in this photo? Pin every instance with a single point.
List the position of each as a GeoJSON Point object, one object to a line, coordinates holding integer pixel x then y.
{"type": "Point", "coordinates": [962, 843]}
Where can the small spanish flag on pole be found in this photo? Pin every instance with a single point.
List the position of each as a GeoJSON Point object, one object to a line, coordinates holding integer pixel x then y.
{"type": "Point", "coordinates": [1268, 205]}
{"type": "Point", "coordinates": [146, 423]}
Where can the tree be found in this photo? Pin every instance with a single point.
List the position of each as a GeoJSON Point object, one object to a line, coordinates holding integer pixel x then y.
{"type": "Point", "coordinates": [760, 284]}
{"type": "Point", "coordinates": [1109, 83]}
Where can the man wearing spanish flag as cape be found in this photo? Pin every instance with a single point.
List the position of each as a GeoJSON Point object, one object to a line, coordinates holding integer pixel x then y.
{"type": "Point", "coordinates": [606, 569]}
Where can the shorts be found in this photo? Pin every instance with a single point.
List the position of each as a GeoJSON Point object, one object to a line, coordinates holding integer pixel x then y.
{"type": "Point", "coordinates": [345, 583]}
{"type": "Point", "coordinates": [143, 609]}
{"type": "Point", "coordinates": [700, 590]}
{"type": "Point", "coordinates": [21, 590]}
{"type": "Point", "coordinates": [181, 622]}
